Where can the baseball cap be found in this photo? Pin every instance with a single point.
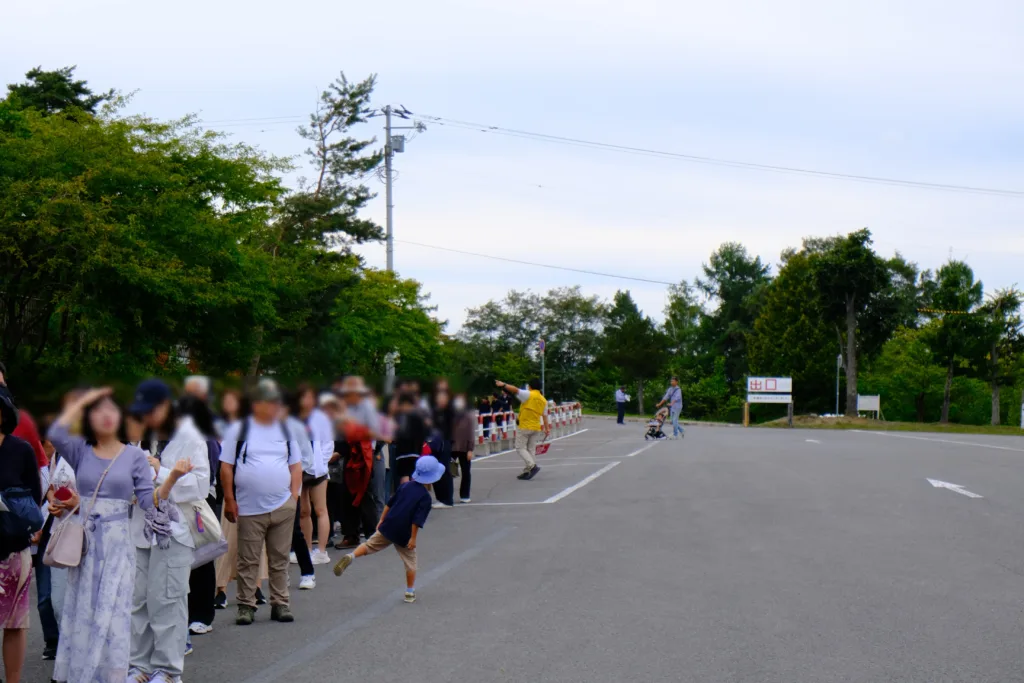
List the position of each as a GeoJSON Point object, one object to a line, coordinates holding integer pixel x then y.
{"type": "Point", "coordinates": [148, 395]}
{"type": "Point", "coordinates": [266, 390]}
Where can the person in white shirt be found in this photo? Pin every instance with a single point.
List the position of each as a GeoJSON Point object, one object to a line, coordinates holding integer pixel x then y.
{"type": "Point", "coordinates": [620, 402]}
{"type": "Point", "coordinates": [261, 474]}
{"type": "Point", "coordinates": [314, 476]}
{"type": "Point", "coordinates": [163, 556]}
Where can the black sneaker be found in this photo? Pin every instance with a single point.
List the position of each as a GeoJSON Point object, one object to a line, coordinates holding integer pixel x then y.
{"type": "Point", "coordinates": [221, 601]}
{"type": "Point", "coordinates": [50, 652]}
{"type": "Point", "coordinates": [282, 613]}
{"type": "Point", "coordinates": [524, 476]}
{"type": "Point", "coordinates": [246, 615]}
{"type": "Point", "coordinates": [533, 472]}
{"type": "Point", "coordinates": [260, 599]}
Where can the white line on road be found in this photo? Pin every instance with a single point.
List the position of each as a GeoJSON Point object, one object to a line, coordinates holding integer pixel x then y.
{"type": "Point", "coordinates": [952, 441]}
{"type": "Point", "coordinates": [543, 466]}
{"type": "Point", "coordinates": [812, 441]}
{"type": "Point", "coordinates": [641, 450]}
{"type": "Point", "coordinates": [953, 487]}
{"type": "Point", "coordinates": [512, 450]}
{"type": "Point", "coordinates": [577, 486]}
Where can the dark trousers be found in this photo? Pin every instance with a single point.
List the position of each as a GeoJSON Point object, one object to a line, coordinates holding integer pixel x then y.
{"type": "Point", "coordinates": [202, 589]}
{"type": "Point", "coordinates": [335, 497]}
{"type": "Point", "coordinates": [465, 476]}
{"type": "Point", "coordinates": [300, 548]}
{"type": "Point", "coordinates": [444, 489]}
{"type": "Point", "coordinates": [353, 517]}
{"type": "Point", "coordinates": [622, 413]}
{"type": "Point", "coordinates": [47, 618]}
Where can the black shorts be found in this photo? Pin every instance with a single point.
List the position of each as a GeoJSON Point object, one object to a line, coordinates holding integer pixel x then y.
{"type": "Point", "coordinates": [310, 481]}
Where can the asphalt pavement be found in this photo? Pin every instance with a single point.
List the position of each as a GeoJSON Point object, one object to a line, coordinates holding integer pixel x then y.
{"type": "Point", "coordinates": [733, 555]}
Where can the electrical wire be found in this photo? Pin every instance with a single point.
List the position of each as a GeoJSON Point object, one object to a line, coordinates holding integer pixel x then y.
{"type": "Point", "coordinates": [538, 265]}
{"type": "Point", "coordinates": [578, 142]}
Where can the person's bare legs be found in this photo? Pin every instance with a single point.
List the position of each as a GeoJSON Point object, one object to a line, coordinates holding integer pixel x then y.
{"type": "Point", "coordinates": [317, 497]}
{"type": "Point", "coordinates": [306, 520]}
{"type": "Point", "coordinates": [410, 579]}
{"type": "Point", "coordinates": [15, 644]}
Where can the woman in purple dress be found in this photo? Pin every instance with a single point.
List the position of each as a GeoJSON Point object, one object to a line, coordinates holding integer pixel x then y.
{"type": "Point", "coordinates": [97, 607]}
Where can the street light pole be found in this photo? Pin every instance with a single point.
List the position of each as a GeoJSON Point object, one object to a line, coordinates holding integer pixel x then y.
{"type": "Point", "coordinates": [839, 366]}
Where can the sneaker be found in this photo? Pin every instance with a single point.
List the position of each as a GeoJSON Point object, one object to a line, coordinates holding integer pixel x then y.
{"type": "Point", "coordinates": [343, 564]}
{"type": "Point", "coordinates": [320, 557]}
{"type": "Point", "coordinates": [260, 598]}
{"type": "Point", "coordinates": [163, 677]}
{"type": "Point", "coordinates": [465, 500]}
{"type": "Point", "coordinates": [137, 676]}
{"type": "Point", "coordinates": [293, 558]}
{"type": "Point", "coordinates": [50, 652]}
{"type": "Point", "coordinates": [221, 601]}
{"type": "Point", "coordinates": [410, 597]}
{"type": "Point", "coordinates": [282, 614]}
{"type": "Point", "coordinates": [524, 476]}
{"type": "Point", "coordinates": [246, 615]}
{"type": "Point", "coordinates": [533, 472]}
{"type": "Point", "coordinates": [440, 506]}
{"type": "Point", "coordinates": [198, 628]}
{"type": "Point", "coordinates": [347, 543]}
{"type": "Point", "coordinates": [307, 583]}
{"type": "Point", "coordinates": [188, 651]}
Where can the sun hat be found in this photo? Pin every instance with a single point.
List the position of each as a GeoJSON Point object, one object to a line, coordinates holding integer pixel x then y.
{"type": "Point", "coordinates": [148, 395]}
{"type": "Point", "coordinates": [353, 384]}
{"type": "Point", "coordinates": [327, 398]}
{"type": "Point", "coordinates": [428, 470]}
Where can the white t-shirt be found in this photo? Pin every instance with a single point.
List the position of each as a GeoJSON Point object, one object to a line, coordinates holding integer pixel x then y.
{"type": "Point", "coordinates": [262, 479]}
{"type": "Point", "coordinates": [321, 433]}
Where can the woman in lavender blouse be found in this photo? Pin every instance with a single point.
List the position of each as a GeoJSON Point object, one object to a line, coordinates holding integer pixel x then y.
{"type": "Point", "coordinates": [96, 618]}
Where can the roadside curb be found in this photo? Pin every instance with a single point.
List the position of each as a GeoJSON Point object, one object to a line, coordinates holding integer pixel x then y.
{"type": "Point", "coordinates": [644, 420]}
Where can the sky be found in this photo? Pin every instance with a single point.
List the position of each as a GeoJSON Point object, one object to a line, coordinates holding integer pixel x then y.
{"type": "Point", "coordinates": [924, 90]}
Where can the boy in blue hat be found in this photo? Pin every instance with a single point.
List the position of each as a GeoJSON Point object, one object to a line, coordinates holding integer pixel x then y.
{"type": "Point", "coordinates": [403, 517]}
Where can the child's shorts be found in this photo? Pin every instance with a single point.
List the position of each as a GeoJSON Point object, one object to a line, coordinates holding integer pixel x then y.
{"type": "Point", "coordinates": [379, 542]}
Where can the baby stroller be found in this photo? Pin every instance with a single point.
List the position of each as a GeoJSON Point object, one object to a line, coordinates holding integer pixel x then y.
{"type": "Point", "coordinates": [654, 426]}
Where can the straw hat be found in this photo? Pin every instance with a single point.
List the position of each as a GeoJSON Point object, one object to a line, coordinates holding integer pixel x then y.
{"type": "Point", "coordinates": [353, 384]}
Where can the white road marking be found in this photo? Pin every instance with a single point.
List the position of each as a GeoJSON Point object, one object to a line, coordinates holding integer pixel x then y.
{"type": "Point", "coordinates": [580, 484]}
{"type": "Point", "coordinates": [512, 450]}
{"type": "Point", "coordinates": [812, 441]}
{"type": "Point", "coordinates": [543, 466]}
{"type": "Point", "coordinates": [953, 487]}
{"type": "Point", "coordinates": [952, 441]}
{"type": "Point", "coordinates": [518, 502]}
{"type": "Point", "coordinates": [641, 450]}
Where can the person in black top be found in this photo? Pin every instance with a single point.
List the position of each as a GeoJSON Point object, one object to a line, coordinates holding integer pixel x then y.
{"type": "Point", "coordinates": [410, 436]}
{"type": "Point", "coordinates": [444, 423]}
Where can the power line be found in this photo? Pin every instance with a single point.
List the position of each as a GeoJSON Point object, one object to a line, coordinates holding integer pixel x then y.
{"type": "Point", "coordinates": [538, 265]}
{"type": "Point", "coordinates": [559, 139]}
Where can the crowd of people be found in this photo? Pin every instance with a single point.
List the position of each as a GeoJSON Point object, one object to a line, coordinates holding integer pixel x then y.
{"type": "Point", "coordinates": [140, 517]}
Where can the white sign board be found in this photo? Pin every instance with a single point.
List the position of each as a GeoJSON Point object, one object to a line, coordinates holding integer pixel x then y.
{"type": "Point", "coordinates": [769, 398]}
{"type": "Point", "coordinates": [869, 404]}
{"type": "Point", "coordinates": [771, 385]}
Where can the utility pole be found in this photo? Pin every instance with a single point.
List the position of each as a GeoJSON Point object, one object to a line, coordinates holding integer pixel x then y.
{"type": "Point", "coordinates": [392, 144]}
{"type": "Point", "coordinates": [839, 366]}
{"type": "Point", "coordinates": [540, 347]}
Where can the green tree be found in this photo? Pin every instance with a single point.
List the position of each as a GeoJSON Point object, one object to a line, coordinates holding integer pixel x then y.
{"type": "Point", "coordinates": [1006, 343]}
{"type": "Point", "coordinates": [633, 344]}
{"type": "Point", "coordinates": [865, 296]}
{"type": "Point", "coordinates": [960, 340]}
{"type": "Point", "coordinates": [905, 375]}
{"type": "Point", "coordinates": [683, 316]}
{"type": "Point", "coordinates": [733, 280]}
{"type": "Point", "coordinates": [571, 325]}
{"type": "Point", "coordinates": [791, 336]}
{"type": "Point", "coordinates": [56, 91]}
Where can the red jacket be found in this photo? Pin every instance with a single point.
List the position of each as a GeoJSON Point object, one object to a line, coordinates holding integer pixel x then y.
{"type": "Point", "coordinates": [359, 463]}
{"type": "Point", "coordinates": [28, 431]}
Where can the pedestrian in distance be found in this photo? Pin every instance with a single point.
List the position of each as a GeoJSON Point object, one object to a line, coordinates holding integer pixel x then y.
{"type": "Point", "coordinates": [533, 421]}
{"type": "Point", "coordinates": [404, 515]}
{"type": "Point", "coordinates": [674, 398]}
{"type": "Point", "coordinates": [621, 398]}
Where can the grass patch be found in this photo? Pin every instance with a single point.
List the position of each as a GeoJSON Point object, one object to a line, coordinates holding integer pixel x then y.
{"type": "Point", "coordinates": [815, 422]}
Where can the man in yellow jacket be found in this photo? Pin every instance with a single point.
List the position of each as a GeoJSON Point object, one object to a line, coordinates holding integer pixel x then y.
{"type": "Point", "coordinates": [533, 420]}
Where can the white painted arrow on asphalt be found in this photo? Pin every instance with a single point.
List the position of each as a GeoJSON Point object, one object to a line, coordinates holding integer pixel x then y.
{"type": "Point", "coordinates": [953, 487]}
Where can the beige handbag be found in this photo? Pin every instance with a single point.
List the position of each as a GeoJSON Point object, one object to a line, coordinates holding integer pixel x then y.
{"type": "Point", "coordinates": [67, 542]}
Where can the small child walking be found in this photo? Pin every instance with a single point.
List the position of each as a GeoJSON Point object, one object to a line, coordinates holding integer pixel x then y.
{"type": "Point", "coordinates": [403, 517]}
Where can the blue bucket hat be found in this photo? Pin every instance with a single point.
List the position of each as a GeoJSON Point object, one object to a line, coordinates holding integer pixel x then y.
{"type": "Point", "coordinates": [148, 395]}
{"type": "Point", "coordinates": [428, 470]}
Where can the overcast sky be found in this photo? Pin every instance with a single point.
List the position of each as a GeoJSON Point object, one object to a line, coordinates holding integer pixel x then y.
{"type": "Point", "coordinates": [927, 90]}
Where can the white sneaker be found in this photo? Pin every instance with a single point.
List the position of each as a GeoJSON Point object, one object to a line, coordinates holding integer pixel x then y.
{"type": "Point", "coordinates": [292, 558]}
{"type": "Point", "coordinates": [440, 506]}
{"type": "Point", "coordinates": [198, 628]}
{"type": "Point", "coordinates": [320, 557]}
{"type": "Point", "coordinates": [465, 500]}
{"type": "Point", "coordinates": [307, 583]}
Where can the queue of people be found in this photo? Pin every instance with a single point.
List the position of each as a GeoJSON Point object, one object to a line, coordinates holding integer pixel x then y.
{"type": "Point", "coordinates": [170, 501]}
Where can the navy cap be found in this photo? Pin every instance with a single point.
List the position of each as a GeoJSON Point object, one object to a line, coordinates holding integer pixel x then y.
{"type": "Point", "coordinates": [148, 395]}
